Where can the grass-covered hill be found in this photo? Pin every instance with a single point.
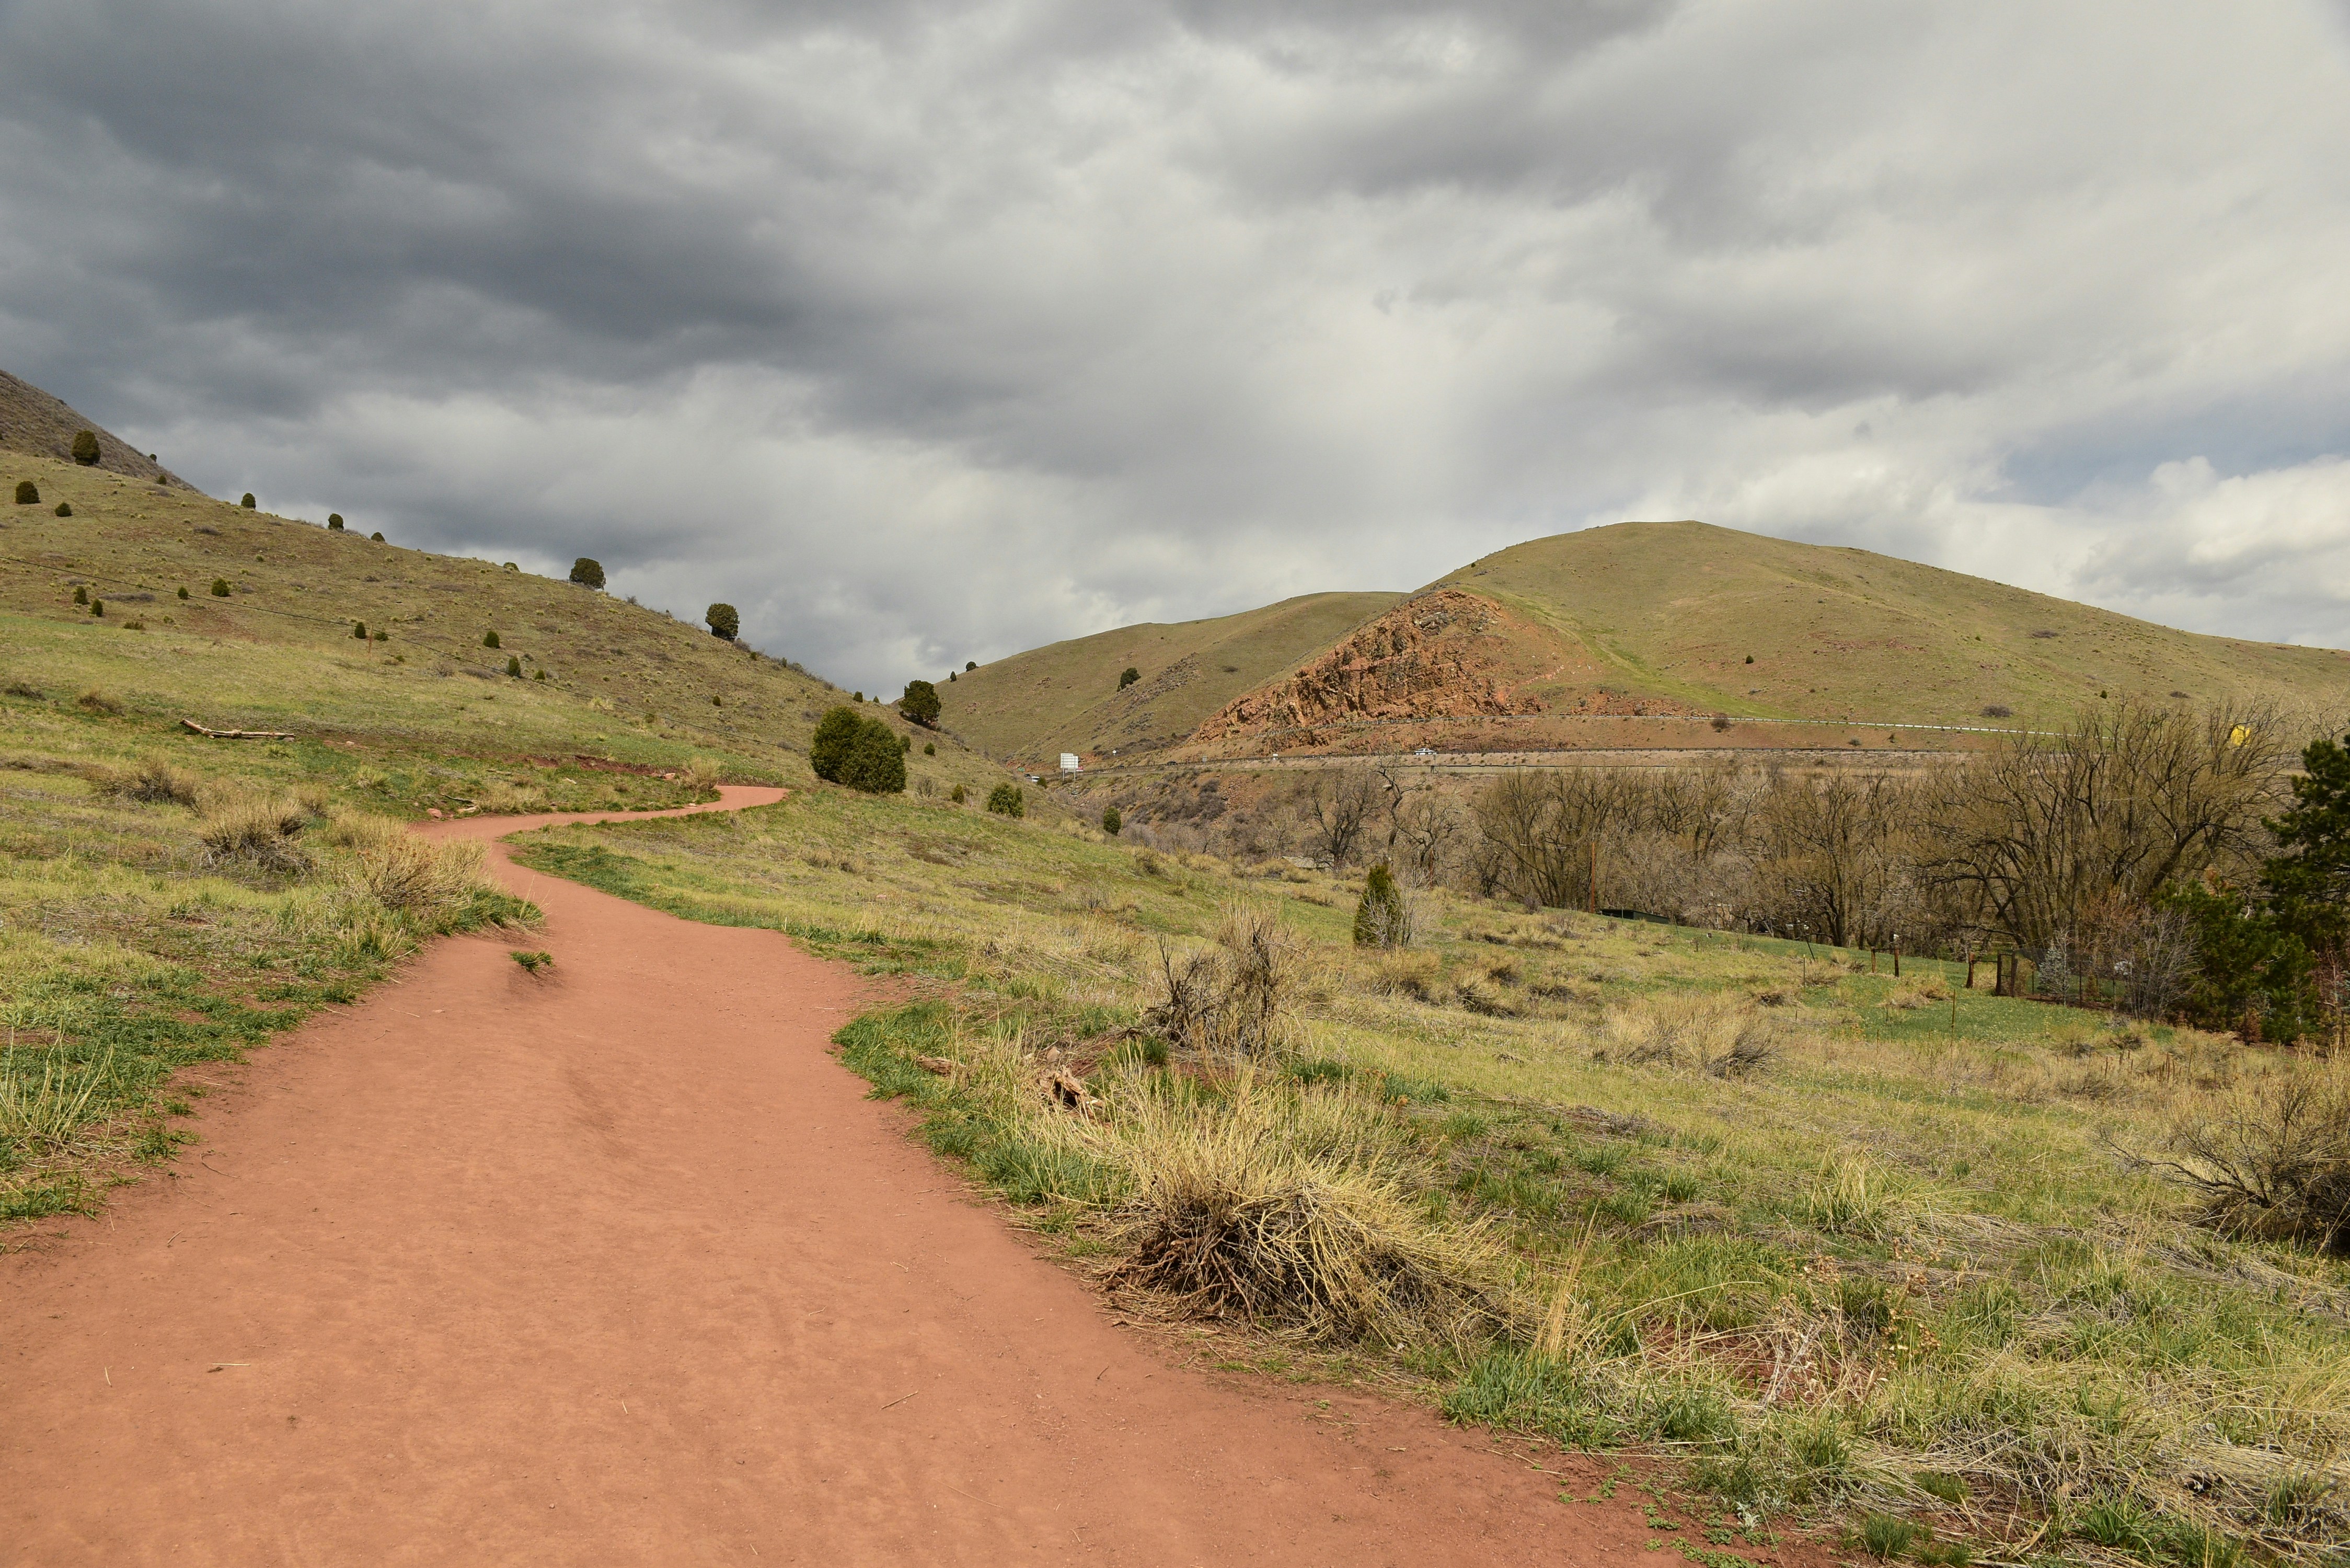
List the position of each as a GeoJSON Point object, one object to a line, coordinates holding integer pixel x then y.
{"type": "Point", "coordinates": [1675, 610]}
{"type": "Point", "coordinates": [279, 650]}
{"type": "Point", "coordinates": [1640, 634]}
{"type": "Point", "coordinates": [1065, 696]}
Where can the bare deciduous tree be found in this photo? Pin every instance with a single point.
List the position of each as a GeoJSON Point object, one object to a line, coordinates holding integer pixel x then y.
{"type": "Point", "coordinates": [1340, 803]}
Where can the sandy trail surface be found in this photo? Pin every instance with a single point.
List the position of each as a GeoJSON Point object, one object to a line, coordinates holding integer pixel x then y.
{"type": "Point", "coordinates": [617, 1265]}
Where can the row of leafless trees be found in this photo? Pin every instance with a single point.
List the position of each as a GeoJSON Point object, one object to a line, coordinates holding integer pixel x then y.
{"type": "Point", "coordinates": [2055, 845]}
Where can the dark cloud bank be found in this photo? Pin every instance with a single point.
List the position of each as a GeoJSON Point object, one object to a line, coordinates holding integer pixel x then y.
{"type": "Point", "coordinates": [932, 332]}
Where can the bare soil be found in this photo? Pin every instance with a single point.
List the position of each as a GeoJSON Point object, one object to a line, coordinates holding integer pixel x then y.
{"type": "Point", "coordinates": [615, 1264]}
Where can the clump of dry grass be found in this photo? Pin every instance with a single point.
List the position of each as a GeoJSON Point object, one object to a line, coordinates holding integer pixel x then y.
{"type": "Point", "coordinates": [151, 779]}
{"type": "Point", "coordinates": [503, 798]}
{"type": "Point", "coordinates": [1295, 1210]}
{"type": "Point", "coordinates": [404, 871]}
{"type": "Point", "coordinates": [1724, 1035]}
{"type": "Point", "coordinates": [255, 830]}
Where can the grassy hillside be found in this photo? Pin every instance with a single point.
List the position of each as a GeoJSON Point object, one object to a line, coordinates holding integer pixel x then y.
{"type": "Point", "coordinates": [1855, 1247]}
{"type": "Point", "coordinates": [278, 650]}
{"type": "Point", "coordinates": [1065, 696]}
{"type": "Point", "coordinates": [35, 424]}
{"type": "Point", "coordinates": [1674, 610]}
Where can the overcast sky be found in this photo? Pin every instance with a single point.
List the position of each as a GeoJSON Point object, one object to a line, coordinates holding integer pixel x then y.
{"type": "Point", "coordinates": [927, 333]}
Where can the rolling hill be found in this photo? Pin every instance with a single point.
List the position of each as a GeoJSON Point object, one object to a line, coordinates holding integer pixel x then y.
{"type": "Point", "coordinates": [1065, 696]}
{"type": "Point", "coordinates": [1649, 634]}
{"type": "Point", "coordinates": [276, 650]}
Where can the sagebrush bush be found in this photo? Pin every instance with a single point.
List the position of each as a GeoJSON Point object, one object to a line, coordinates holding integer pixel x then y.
{"type": "Point", "coordinates": [1007, 800]}
{"type": "Point", "coordinates": [2273, 1163]}
{"type": "Point", "coordinates": [27, 492]}
{"type": "Point", "coordinates": [85, 448]}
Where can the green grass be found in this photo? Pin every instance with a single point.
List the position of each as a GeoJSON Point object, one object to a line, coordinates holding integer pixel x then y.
{"type": "Point", "coordinates": [1896, 1269]}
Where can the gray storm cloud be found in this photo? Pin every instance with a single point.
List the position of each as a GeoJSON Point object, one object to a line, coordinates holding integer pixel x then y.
{"type": "Point", "coordinates": [925, 333]}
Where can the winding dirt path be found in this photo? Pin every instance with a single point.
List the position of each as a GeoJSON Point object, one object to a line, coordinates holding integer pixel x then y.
{"type": "Point", "coordinates": [618, 1266]}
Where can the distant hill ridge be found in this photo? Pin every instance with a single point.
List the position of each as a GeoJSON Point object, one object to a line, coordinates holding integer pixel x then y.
{"type": "Point", "coordinates": [1551, 643]}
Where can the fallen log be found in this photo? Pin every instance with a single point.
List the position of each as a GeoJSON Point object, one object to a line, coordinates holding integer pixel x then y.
{"type": "Point", "coordinates": [238, 734]}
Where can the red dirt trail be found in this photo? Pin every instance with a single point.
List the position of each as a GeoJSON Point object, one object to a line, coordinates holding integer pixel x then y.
{"type": "Point", "coordinates": [618, 1266]}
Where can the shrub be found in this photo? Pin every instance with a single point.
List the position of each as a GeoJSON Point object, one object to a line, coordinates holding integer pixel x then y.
{"type": "Point", "coordinates": [97, 607]}
{"type": "Point", "coordinates": [1382, 917]}
{"type": "Point", "coordinates": [724, 623]}
{"type": "Point", "coordinates": [1235, 1000]}
{"type": "Point", "coordinates": [99, 702]}
{"type": "Point", "coordinates": [513, 666]}
{"type": "Point", "coordinates": [921, 705]}
{"type": "Point", "coordinates": [850, 749]}
{"type": "Point", "coordinates": [970, 664]}
{"type": "Point", "coordinates": [828, 747]}
{"type": "Point", "coordinates": [85, 448]}
{"type": "Point", "coordinates": [957, 796]}
{"type": "Point", "coordinates": [1007, 800]}
{"type": "Point", "coordinates": [1112, 823]}
{"type": "Point", "coordinates": [876, 764]}
{"type": "Point", "coordinates": [382, 635]}
{"type": "Point", "coordinates": [2273, 1164]}
{"type": "Point", "coordinates": [1750, 658]}
{"type": "Point", "coordinates": [587, 571]}
{"type": "Point", "coordinates": [335, 521]}
{"type": "Point", "coordinates": [376, 535]}
{"type": "Point", "coordinates": [220, 587]}
{"type": "Point", "coordinates": [1997, 711]}
{"type": "Point", "coordinates": [82, 594]}
{"type": "Point", "coordinates": [490, 640]}
{"type": "Point", "coordinates": [532, 962]}
{"type": "Point", "coordinates": [540, 675]}
{"type": "Point", "coordinates": [248, 502]}
{"type": "Point", "coordinates": [929, 748]}
{"type": "Point", "coordinates": [183, 590]}
{"type": "Point", "coordinates": [65, 508]}
{"type": "Point", "coordinates": [359, 629]}
{"type": "Point", "coordinates": [255, 830]}
{"type": "Point", "coordinates": [27, 494]}
{"type": "Point", "coordinates": [1128, 676]}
